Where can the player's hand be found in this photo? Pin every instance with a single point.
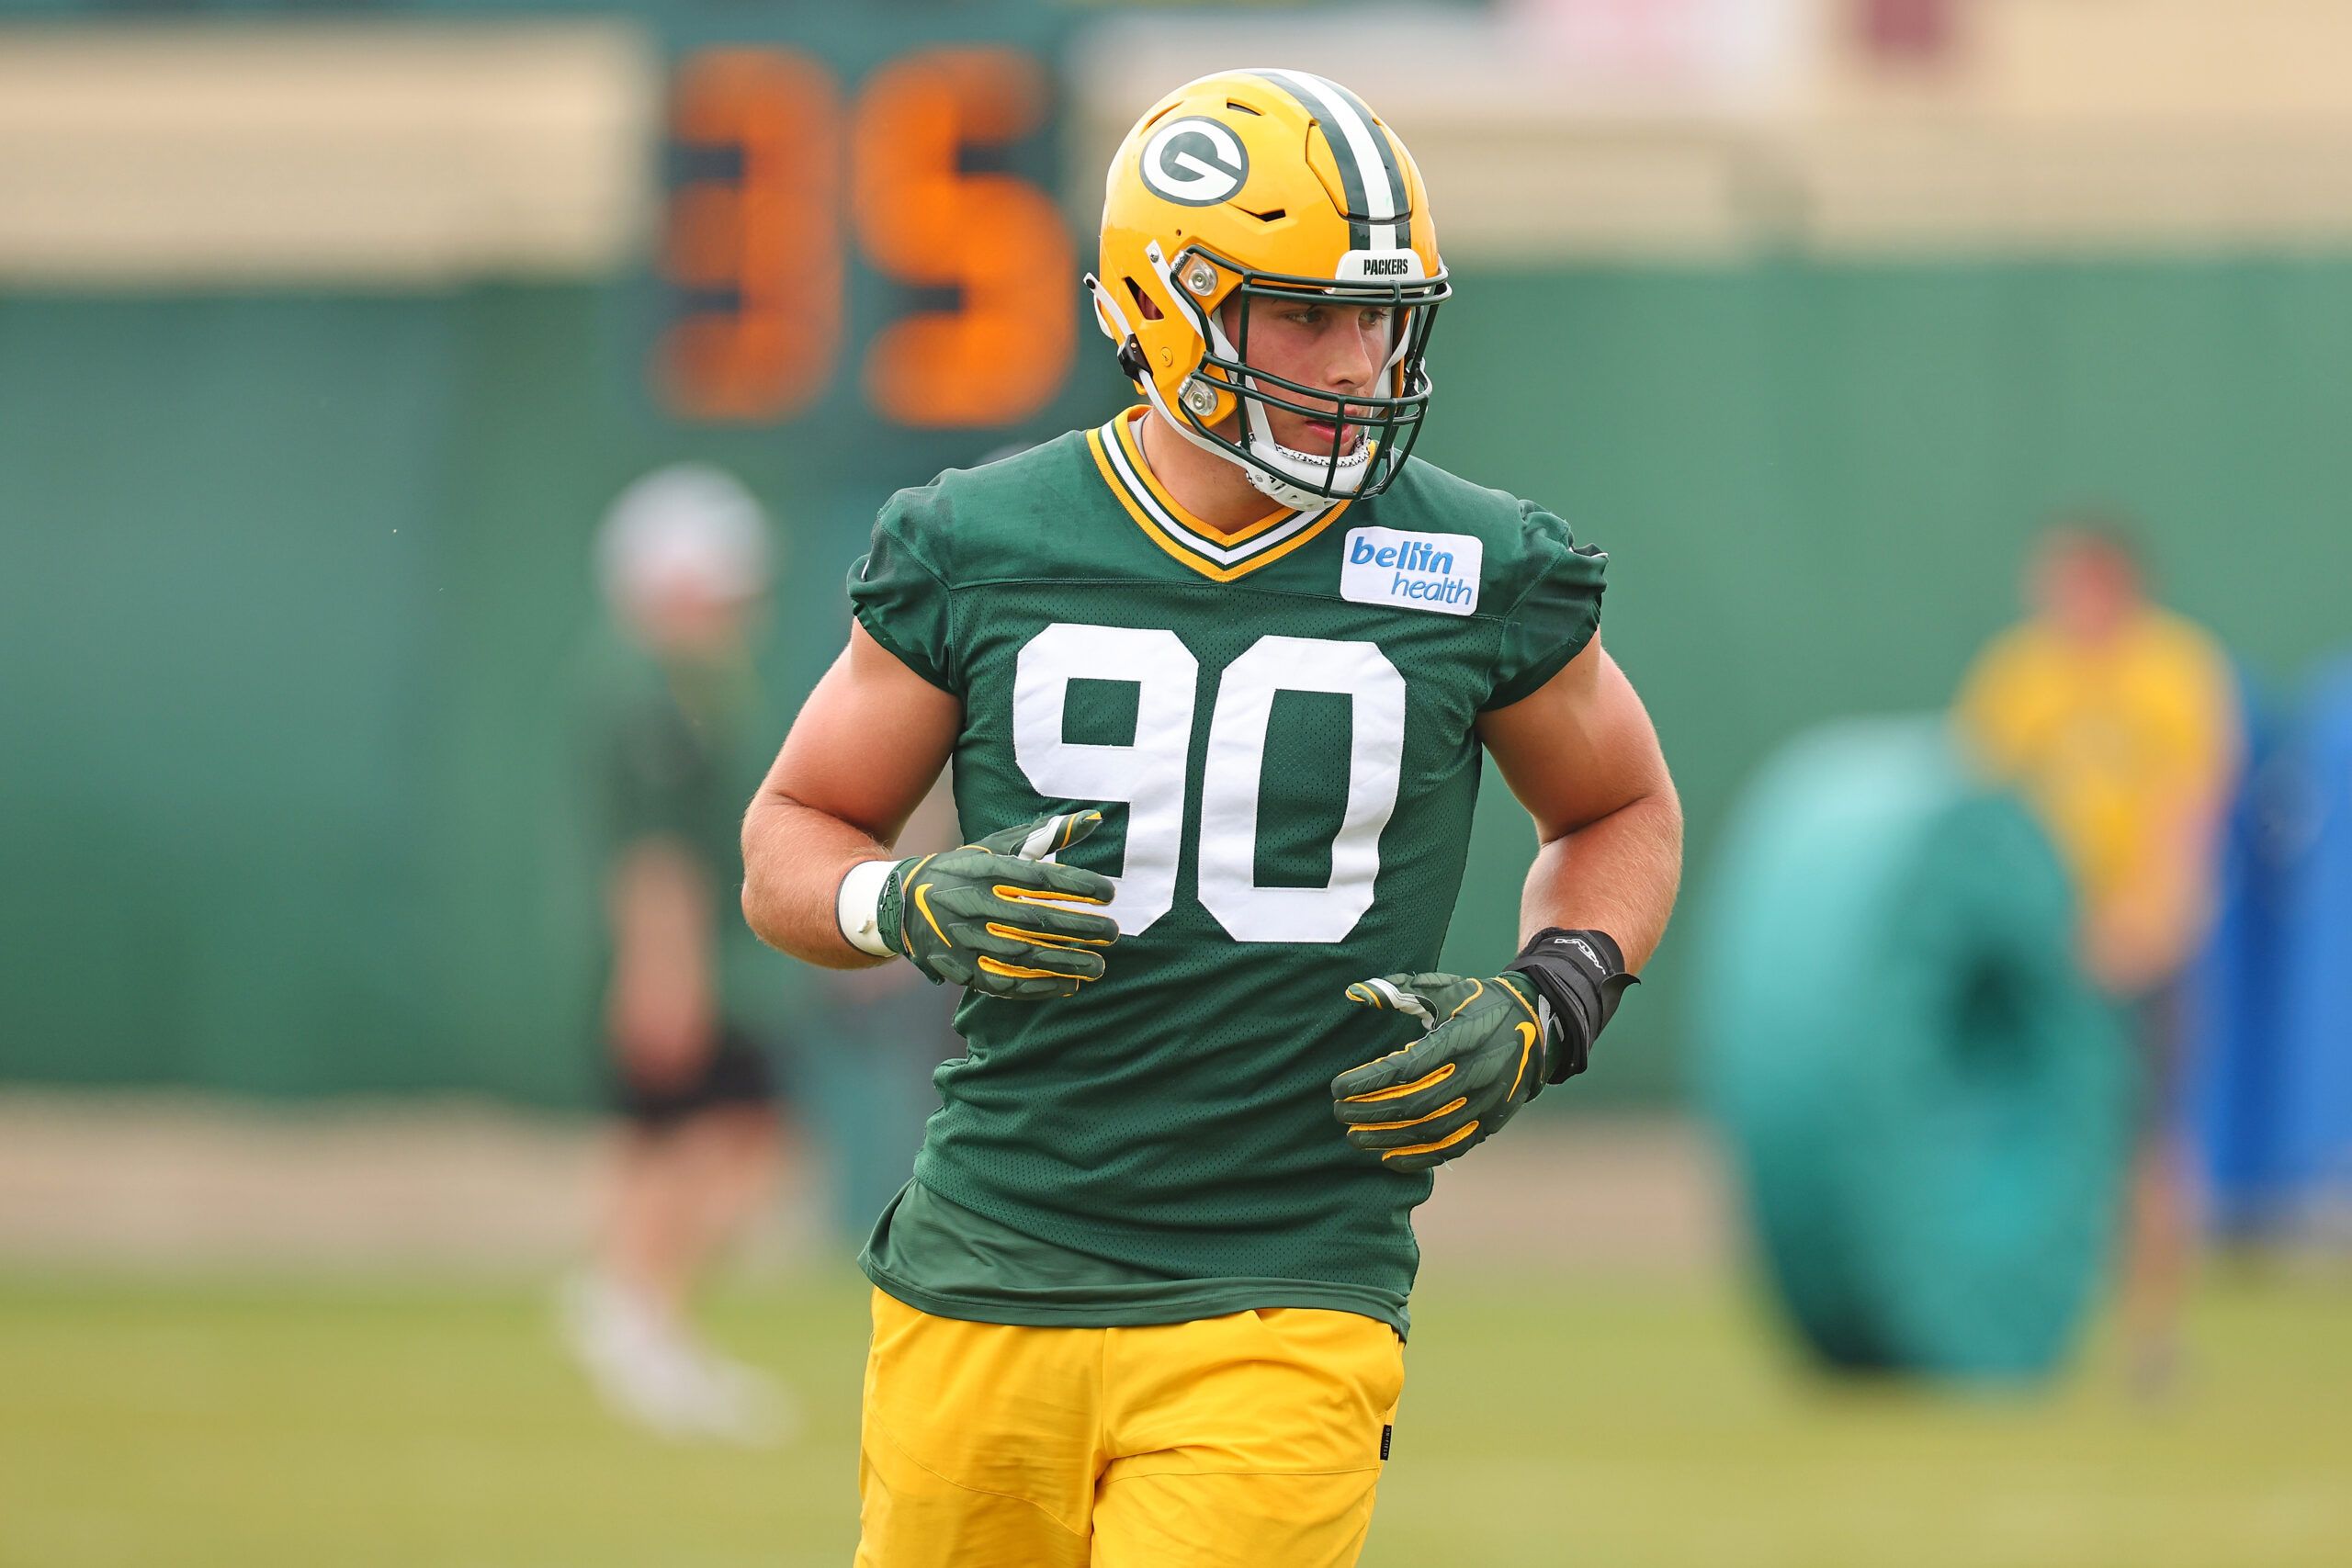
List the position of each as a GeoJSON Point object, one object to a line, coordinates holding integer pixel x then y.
{"type": "Point", "coordinates": [1000, 919]}
{"type": "Point", "coordinates": [1489, 1050]}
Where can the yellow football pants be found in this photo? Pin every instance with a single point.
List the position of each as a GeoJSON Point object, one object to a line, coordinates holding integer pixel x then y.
{"type": "Point", "coordinates": [1252, 1440]}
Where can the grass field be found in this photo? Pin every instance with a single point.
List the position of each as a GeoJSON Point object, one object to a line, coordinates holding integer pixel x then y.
{"type": "Point", "coordinates": [1548, 1421]}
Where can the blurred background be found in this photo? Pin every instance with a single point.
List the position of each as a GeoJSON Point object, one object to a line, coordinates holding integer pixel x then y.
{"type": "Point", "coordinates": [334, 337]}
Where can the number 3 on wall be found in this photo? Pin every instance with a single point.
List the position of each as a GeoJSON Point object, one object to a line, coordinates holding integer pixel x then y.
{"type": "Point", "coordinates": [769, 237]}
{"type": "Point", "coordinates": [1148, 775]}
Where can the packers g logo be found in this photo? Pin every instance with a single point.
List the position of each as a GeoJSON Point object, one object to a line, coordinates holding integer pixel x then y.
{"type": "Point", "coordinates": [1197, 162]}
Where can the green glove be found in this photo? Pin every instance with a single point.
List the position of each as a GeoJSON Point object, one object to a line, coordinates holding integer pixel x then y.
{"type": "Point", "coordinates": [1000, 919]}
{"type": "Point", "coordinates": [1486, 1055]}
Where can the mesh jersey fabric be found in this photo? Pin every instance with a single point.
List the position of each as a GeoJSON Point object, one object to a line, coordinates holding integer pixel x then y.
{"type": "Point", "coordinates": [1288, 775]}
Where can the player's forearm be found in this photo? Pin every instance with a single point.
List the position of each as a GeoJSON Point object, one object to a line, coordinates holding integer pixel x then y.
{"type": "Point", "coordinates": [1618, 873]}
{"type": "Point", "coordinates": [794, 859]}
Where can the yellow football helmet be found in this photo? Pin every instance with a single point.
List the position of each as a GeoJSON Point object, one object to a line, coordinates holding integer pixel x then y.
{"type": "Point", "coordinates": [1255, 183]}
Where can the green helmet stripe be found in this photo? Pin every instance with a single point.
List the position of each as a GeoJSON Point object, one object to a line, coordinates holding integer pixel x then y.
{"type": "Point", "coordinates": [1318, 96]}
{"type": "Point", "coordinates": [1391, 170]}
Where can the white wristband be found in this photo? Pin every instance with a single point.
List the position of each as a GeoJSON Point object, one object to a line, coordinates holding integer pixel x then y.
{"type": "Point", "coordinates": [858, 905]}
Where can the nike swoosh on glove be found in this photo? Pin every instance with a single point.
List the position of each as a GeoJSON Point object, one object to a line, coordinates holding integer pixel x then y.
{"type": "Point", "coordinates": [1486, 1053]}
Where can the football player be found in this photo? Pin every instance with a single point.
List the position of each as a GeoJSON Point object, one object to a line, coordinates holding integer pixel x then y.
{"type": "Point", "coordinates": [1215, 677]}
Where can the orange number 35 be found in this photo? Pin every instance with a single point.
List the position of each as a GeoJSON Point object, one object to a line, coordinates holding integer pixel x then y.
{"type": "Point", "coordinates": [770, 238]}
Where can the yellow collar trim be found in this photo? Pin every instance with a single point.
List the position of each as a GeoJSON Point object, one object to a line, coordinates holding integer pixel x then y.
{"type": "Point", "coordinates": [1221, 558]}
{"type": "Point", "coordinates": [1128, 425]}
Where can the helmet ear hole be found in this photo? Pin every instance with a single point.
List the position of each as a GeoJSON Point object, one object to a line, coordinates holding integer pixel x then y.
{"type": "Point", "coordinates": [1144, 302]}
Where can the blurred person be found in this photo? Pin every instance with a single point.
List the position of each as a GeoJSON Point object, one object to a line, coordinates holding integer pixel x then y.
{"type": "Point", "coordinates": [683, 555]}
{"type": "Point", "coordinates": [1215, 677]}
{"type": "Point", "coordinates": [2118, 721]}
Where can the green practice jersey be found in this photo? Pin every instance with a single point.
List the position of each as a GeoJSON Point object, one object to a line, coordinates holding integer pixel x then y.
{"type": "Point", "coordinates": [1279, 726]}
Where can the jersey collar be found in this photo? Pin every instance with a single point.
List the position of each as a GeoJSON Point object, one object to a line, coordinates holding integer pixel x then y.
{"type": "Point", "coordinates": [1213, 553]}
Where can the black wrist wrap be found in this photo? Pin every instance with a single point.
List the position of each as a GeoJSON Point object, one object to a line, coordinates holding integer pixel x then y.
{"type": "Point", "coordinates": [1582, 975]}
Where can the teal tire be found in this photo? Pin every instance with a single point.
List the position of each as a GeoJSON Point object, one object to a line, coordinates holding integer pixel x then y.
{"type": "Point", "coordinates": [1926, 1103]}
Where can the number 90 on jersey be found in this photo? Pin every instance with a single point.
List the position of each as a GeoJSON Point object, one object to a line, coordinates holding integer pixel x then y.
{"type": "Point", "coordinates": [1151, 775]}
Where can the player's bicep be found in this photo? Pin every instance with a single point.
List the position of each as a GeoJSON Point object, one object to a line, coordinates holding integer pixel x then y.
{"type": "Point", "coordinates": [1579, 747]}
{"type": "Point", "coordinates": [868, 743]}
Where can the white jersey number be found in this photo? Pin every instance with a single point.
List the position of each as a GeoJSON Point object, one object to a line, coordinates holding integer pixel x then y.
{"type": "Point", "coordinates": [1148, 775]}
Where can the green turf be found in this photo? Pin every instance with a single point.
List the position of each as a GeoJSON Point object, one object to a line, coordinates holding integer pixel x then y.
{"type": "Point", "coordinates": [1548, 1421]}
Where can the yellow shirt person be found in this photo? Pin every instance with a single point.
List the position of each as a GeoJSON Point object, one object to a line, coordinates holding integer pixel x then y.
{"type": "Point", "coordinates": [2118, 722]}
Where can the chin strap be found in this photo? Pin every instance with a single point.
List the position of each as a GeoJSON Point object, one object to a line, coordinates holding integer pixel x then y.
{"type": "Point", "coordinates": [1296, 499]}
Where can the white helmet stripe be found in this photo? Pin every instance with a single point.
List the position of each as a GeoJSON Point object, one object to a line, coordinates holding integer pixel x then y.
{"type": "Point", "coordinates": [1362, 144]}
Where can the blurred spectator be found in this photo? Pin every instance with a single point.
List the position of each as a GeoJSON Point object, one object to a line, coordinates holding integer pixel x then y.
{"type": "Point", "coordinates": [2117, 719]}
{"type": "Point", "coordinates": [683, 555]}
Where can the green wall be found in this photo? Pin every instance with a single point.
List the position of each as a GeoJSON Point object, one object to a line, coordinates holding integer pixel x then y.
{"type": "Point", "coordinates": [1815, 483]}
{"type": "Point", "coordinates": [291, 589]}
